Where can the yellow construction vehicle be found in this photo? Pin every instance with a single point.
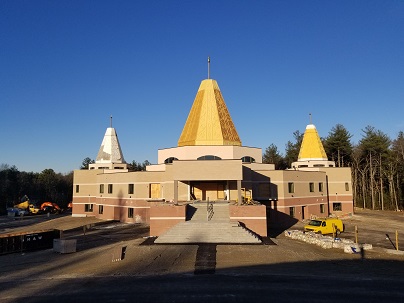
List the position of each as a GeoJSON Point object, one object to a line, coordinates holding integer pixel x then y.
{"type": "Point", "coordinates": [26, 205]}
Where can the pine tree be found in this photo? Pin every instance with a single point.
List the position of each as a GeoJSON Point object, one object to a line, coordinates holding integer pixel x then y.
{"type": "Point", "coordinates": [338, 146]}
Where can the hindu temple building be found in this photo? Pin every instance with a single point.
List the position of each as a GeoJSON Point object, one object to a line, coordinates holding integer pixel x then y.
{"type": "Point", "coordinates": [210, 166]}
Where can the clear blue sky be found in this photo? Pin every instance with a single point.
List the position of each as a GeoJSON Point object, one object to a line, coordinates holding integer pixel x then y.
{"type": "Point", "coordinates": [66, 66]}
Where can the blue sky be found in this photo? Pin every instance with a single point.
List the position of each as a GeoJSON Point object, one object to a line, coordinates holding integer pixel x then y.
{"type": "Point", "coordinates": [66, 66]}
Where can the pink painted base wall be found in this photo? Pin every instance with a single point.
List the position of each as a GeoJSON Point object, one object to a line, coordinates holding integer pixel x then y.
{"type": "Point", "coordinates": [254, 217]}
{"type": "Point", "coordinates": [163, 217]}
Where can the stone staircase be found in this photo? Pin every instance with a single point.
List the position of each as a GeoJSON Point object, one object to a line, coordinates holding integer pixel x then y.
{"type": "Point", "coordinates": [208, 225]}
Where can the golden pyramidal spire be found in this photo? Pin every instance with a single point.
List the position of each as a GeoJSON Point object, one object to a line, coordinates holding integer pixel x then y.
{"type": "Point", "coordinates": [311, 148]}
{"type": "Point", "coordinates": [209, 121]}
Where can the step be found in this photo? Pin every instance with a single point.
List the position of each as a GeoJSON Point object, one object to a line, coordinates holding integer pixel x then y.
{"type": "Point", "coordinates": [208, 232]}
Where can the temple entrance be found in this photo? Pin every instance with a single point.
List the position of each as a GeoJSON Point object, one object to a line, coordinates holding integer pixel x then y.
{"type": "Point", "coordinates": [208, 190]}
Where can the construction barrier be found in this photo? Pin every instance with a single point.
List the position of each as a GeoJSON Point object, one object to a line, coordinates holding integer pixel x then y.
{"type": "Point", "coordinates": [64, 246]}
{"type": "Point", "coordinates": [21, 242]}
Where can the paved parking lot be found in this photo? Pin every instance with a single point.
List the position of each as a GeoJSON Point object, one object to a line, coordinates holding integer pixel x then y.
{"type": "Point", "coordinates": [287, 270]}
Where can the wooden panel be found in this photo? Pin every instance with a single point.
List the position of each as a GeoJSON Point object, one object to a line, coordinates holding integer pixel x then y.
{"type": "Point", "coordinates": [198, 193]}
{"type": "Point", "coordinates": [155, 190]}
{"type": "Point", "coordinates": [220, 191]}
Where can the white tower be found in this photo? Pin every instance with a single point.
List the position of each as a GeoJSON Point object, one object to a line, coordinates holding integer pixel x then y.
{"type": "Point", "coordinates": [110, 155]}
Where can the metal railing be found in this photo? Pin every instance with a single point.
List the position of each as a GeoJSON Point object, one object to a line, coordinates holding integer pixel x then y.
{"type": "Point", "coordinates": [209, 210]}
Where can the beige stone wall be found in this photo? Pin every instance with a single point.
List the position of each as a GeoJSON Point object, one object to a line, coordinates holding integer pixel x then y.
{"type": "Point", "coordinates": [340, 189]}
{"type": "Point", "coordinates": [266, 185]}
{"type": "Point", "coordinates": [224, 152]}
{"type": "Point", "coordinates": [207, 170]}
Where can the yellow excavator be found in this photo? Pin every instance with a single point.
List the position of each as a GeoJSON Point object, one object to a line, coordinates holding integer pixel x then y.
{"type": "Point", "coordinates": [25, 204]}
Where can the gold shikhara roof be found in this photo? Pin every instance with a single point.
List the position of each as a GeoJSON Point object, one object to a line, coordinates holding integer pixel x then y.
{"type": "Point", "coordinates": [209, 121]}
{"type": "Point", "coordinates": [311, 148]}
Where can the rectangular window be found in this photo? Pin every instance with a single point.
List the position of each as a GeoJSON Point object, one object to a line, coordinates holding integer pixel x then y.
{"type": "Point", "coordinates": [110, 188]}
{"type": "Point", "coordinates": [346, 186]}
{"type": "Point", "coordinates": [77, 188]}
{"type": "Point", "coordinates": [100, 209]}
{"type": "Point", "coordinates": [292, 212]}
{"type": "Point", "coordinates": [322, 208]}
{"type": "Point", "coordinates": [337, 206]}
{"type": "Point", "coordinates": [88, 208]}
{"type": "Point", "coordinates": [130, 212]}
{"type": "Point", "coordinates": [311, 186]}
{"type": "Point", "coordinates": [101, 188]}
{"type": "Point", "coordinates": [291, 187]}
{"type": "Point", "coordinates": [320, 187]}
{"type": "Point", "coordinates": [131, 189]}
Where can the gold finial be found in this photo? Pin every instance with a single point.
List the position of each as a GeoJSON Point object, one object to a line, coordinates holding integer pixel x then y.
{"type": "Point", "coordinates": [310, 118]}
{"type": "Point", "coordinates": [208, 67]}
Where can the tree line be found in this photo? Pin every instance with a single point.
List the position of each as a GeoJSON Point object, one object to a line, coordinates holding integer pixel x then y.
{"type": "Point", "coordinates": [39, 187]}
{"type": "Point", "coordinates": [44, 186]}
{"type": "Point", "coordinates": [132, 166]}
{"type": "Point", "coordinates": [376, 161]}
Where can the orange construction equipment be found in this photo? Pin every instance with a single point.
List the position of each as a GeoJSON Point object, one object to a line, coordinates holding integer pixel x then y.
{"type": "Point", "coordinates": [50, 207]}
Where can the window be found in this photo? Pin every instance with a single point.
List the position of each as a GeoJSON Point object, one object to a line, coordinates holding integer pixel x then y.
{"type": "Point", "coordinates": [346, 186]}
{"type": "Point", "coordinates": [110, 188]}
{"type": "Point", "coordinates": [337, 206]}
{"type": "Point", "coordinates": [322, 208]}
{"type": "Point", "coordinates": [291, 187]}
{"type": "Point", "coordinates": [130, 212]}
{"type": "Point", "coordinates": [209, 157]}
{"type": "Point", "coordinates": [292, 211]}
{"type": "Point", "coordinates": [88, 208]}
{"type": "Point", "coordinates": [131, 189]}
{"type": "Point", "coordinates": [77, 188]}
{"type": "Point", "coordinates": [247, 159]}
{"type": "Point", "coordinates": [311, 186]}
{"type": "Point", "coordinates": [100, 209]}
{"type": "Point", "coordinates": [320, 187]}
{"type": "Point", "coordinates": [101, 188]}
{"type": "Point", "coordinates": [170, 160]}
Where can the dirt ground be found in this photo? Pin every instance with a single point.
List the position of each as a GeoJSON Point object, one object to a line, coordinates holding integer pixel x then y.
{"type": "Point", "coordinates": [373, 227]}
{"type": "Point", "coordinates": [237, 273]}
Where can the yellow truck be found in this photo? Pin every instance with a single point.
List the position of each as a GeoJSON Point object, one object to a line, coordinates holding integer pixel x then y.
{"type": "Point", "coordinates": [325, 226]}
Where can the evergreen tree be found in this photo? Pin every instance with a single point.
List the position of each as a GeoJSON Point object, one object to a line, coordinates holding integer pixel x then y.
{"type": "Point", "coordinates": [338, 146]}
{"type": "Point", "coordinates": [272, 156]}
{"type": "Point", "coordinates": [293, 149]}
{"type": "Point", "coordinates": [86, 162]}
